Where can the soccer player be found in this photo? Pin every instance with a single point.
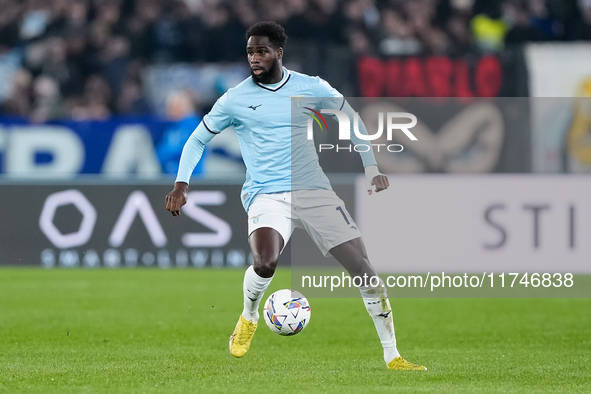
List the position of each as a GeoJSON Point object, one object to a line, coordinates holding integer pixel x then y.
{"type": "Point", "coordinates": [285, 186]}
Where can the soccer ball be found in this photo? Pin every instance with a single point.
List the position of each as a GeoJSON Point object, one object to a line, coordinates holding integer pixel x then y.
{"type": "Point", "coordinates": [287, 312]}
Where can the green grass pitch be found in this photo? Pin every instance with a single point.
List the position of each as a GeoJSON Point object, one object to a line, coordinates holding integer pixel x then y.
{"type": "Point", "coordinates": [166, 331]}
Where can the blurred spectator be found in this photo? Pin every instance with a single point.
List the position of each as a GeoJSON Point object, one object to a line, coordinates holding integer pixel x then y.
{"type": "Point", "coordinates": [361, 14]}
{"type": "Point", "coordinates": [139, 24]}
{"type": "Point", "coordinates": [9, 29]}
{"type": "Point", "coordinates": [225, 40]}
{"type": "Point", "coordinates": [81, 44]}
{"type": "Point", "coordinates": [398, 38]}
{"type": "Point", "coordinates": [458, 30]}
{"type": "Point", "coordinates": [522, 29]}
{"type": "Point", "coordinates": [296, 24]}
{"type": "Point", "coordinates": [35, 19]}
{"type": "Point", "coordinates": [360, 43]}
{"type": "Point", "coordinates": [541, 20]}
{"type": "Point", "coordinates": [489, 29]}
{"type": "Point", "coordinates": [55, 64]}
{"type": "Point", "coordinates": [131, 100]}
{"type": "Point", "coordinates": [19, 97]}
{"type": "Point", "coordinates": [578, 25]}
{"type": "Point", "coordinates": [94, 103]}
{"type": "Point", "coordinates": [420, 15]}
{"type": "Point", "coordinates": [275, 10]}
{"type": "Point", "coordinates": [115, 61]}
{"type": "Point", "coordinates": [327, 22]}
{"type": "Point", "coordinates": [76, 15]}
{"type": "Point", "coordinates": [166, 35]}
{"type": "Point", "coordinates": [435, 41]}
{"type": "Point", "coordinates": [47, 102]}
{"type": "Point", "coordinates": [192, 32]}
{"type": "Point", "coordinates": [10, 61]}
{"type": "Point", "coordinates": [180, 110]}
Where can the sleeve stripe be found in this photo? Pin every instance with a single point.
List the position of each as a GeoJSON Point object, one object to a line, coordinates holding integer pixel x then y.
{"type": "Point", "coordinates": [343, 104]}
{"type": "Point", "coordinates": [208, 129]}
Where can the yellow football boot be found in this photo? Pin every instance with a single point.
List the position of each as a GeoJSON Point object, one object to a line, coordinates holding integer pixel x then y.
{"type": "Point", "coordinates": [400, 364]}
{"type": "Point", "coordinates": [241, 337]}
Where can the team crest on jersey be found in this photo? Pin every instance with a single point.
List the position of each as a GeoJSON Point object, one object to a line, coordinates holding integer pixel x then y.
{"type": "Point", "coordinates": [255, 219]}
{"type": "Point", "coordinates": [297, 100]}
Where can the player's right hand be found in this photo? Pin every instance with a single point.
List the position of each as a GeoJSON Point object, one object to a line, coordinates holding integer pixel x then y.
{"type": "Point", "coordinates": [177, 198]}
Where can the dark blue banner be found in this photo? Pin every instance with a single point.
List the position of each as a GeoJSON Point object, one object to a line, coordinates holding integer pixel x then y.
{"type": "Point", "coordinates": [68, 148]}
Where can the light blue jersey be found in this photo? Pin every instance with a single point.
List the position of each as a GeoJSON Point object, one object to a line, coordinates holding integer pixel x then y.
{"type": "Point", "coordinates": [270, 124]}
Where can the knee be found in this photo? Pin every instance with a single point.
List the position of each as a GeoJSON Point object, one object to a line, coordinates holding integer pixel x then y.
{"type": "Point", "coordinates": [265, 267]}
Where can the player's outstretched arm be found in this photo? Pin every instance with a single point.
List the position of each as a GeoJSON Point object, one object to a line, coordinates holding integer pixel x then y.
{"type": "Point", "coordinates": [177, 198]}
{"type": "Point", "coordinates": [374, 179]}
{"type": "Point", "coordinates": [192, 152]}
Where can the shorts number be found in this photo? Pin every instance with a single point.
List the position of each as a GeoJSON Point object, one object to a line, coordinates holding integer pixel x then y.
{"type": "Point", "coordinates": [340, 209]}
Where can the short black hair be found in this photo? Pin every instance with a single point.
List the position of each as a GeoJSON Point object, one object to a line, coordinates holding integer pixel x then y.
{"type": "Point", "coordinates": [273, 31]}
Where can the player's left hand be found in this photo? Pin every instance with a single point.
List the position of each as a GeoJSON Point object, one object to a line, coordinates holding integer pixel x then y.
{"type": "Point", "coordinates": [379, 182]}
{"type": "Point", "coordinates": [374, 179]}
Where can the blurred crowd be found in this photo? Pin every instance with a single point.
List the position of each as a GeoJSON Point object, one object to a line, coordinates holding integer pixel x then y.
{"type": "Point", "coordinates": [84, 59]}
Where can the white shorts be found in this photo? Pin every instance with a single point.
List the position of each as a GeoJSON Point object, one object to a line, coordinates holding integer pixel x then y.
{"type": "Point", "coordinates": [320, 212]}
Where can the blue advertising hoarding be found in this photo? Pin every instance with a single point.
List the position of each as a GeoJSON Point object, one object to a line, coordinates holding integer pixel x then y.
{"type": "Point", "coordinates": [65, 149]}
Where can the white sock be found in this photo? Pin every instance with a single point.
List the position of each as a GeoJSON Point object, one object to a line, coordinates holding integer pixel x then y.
{"type": "Point", "coordinates": [254, 289]}
{"type": "Point", "coordinates": [378, 306]}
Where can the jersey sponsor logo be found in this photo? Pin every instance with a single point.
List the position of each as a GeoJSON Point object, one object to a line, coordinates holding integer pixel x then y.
{"type": "Point", "coordinates": [254, 107]}
{"type": "Point", "coordinates": [297, 100]}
